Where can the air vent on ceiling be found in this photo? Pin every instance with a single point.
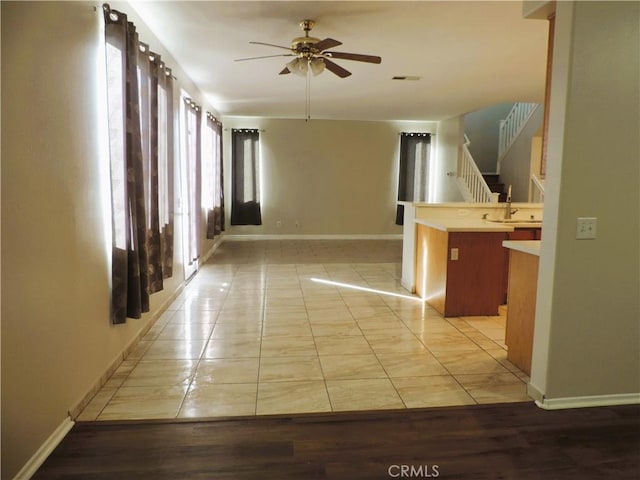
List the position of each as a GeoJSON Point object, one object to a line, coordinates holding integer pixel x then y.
{"type": "Point", "coordinates": [406, 77]}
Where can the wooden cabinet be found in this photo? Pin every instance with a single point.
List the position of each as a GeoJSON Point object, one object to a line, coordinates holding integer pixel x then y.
{"type": "Point", "coordinates": [460, 273]}
{"type": "Point", "coordinates": [517, 234]}
{"type": "Point", "coordinates": [523, 284]}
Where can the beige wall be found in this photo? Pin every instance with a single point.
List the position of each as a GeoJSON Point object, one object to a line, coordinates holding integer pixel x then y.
{"type": "Point", "coordinates": [587, 334]}
{"type": "Point", "coordinates": [56, 337]}
{"type": "Point", "coordinates": [331, 177]}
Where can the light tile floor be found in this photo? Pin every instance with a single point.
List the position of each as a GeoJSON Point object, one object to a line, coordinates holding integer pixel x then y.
{"type": "Point", "coordinates": [256, 333]}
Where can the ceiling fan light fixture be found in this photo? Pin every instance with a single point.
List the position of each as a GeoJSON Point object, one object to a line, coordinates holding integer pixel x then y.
{"type": "Point", "coordinates": [317, 66]}
{"type": "Point", "coordinates": [298, 66]}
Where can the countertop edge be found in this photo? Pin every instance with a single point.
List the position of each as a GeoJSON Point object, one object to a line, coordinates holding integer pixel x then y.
{"type": "Point", "coordinates": [532, 247]}
{"type": "Point", "coordinates": [465, 225]}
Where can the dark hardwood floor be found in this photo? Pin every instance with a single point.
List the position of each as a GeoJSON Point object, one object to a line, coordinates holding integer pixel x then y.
{"type": "Point", "coordinates": [505, 441]}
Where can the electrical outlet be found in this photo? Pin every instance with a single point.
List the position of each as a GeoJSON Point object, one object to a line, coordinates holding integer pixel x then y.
{"type": "Point", "coordinates": [586, 228]}
{"type": "Point", "coordinates": [454, 254]}
{"type": "Point", "coordinates": [279, 224]}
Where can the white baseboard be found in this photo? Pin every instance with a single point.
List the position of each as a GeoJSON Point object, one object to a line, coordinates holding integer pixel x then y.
{"type": "Point", "coordinates": [80, 405]}
{"type": "Point", "coordinates": [408, 286]}
{"type": "Point", "coordinates": [244, 238]}
{"type": "Point", "coordinates": [589, 401]}
{"type": "Point", "coordinates": [35, 462]}
{"type": "Point", "coordinates": [534, 392]}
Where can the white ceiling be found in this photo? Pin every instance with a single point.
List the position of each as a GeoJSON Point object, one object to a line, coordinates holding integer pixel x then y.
{"type": "Point", "coordinates": [469, 55]}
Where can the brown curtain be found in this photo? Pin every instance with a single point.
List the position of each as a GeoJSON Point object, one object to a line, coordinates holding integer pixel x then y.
{"type": "Point", "coordinates": [245, 176]}
{"type": "Point", "coordinates": [132, 91]}
{"type": "Point", "coordinates": [148, 73]}
{"type": "Point", "coordinates": [214, 205]}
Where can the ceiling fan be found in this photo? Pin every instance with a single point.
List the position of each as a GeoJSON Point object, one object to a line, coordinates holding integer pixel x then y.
{"type": "Point", "coordinates": [311, 54]}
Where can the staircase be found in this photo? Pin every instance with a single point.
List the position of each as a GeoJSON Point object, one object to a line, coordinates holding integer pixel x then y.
{"type": "Point", "coordinates": [473, 187]}
{"type": "Point", "coordinates": [511, 127]}
{"type": "Point", "coordinates": [494, 184]}
{"type": "Point", "coordinates": [477, 187]}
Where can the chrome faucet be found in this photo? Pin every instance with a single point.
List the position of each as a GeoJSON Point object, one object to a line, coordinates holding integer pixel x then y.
{"type": "Point", "coordinates": [508, 211]}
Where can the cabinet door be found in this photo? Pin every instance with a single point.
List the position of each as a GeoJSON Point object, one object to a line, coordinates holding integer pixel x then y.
{"type": "Point", "coordinates": [517, 234]}
{"type": "Point", "coordinates": [475, 283]}
{"type": "Point", "coordinates": [523, 275]}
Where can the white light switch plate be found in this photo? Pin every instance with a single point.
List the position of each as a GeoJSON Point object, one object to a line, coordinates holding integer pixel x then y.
{"type": "Point", "coordinates": [586, 228]}
{"type": "Point", "coordinates": [454, 254]}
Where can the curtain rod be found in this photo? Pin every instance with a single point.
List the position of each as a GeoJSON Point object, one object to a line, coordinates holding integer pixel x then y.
{"type": "Point", "coordinates": [105, 9]}
{"type": "Point", "coordinates": [258, 129]}
{"type": "Point", "coordinates": [191, 104]}
{"type": "Point", "coordinates": [213, 118]}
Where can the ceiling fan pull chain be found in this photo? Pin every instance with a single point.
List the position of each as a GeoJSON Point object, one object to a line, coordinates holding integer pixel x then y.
{"type": "Point", "coordinates": [308, 97]}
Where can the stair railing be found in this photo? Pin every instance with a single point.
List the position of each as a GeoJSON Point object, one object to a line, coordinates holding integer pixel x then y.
{"type": "Point", "coordinates": [536, 192]}
{"type": "Point", "coordinates": [511, 127]}
{"type": "Point", "coordinates": [472, 184]}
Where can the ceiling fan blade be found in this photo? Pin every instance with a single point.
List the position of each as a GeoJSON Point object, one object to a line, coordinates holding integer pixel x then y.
{"type": "Point", "coordinates": [270, 45]}
{"type": "Point", "coordinates": [326, 43]}
{"type": "Point", "coordinates": [265, 56]}
{"type": "Point", "coordinates": [335, 68]}
{"type": "Point", "coordinates": [355, 56]}
{"type": "Point", "coordinates": [284, 71]}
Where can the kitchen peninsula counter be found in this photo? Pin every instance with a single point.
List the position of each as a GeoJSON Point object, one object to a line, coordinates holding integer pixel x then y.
{"type": "Point", "coordinates": [460, 265]}
{"type": "Point", "coordinates": [461, 217]}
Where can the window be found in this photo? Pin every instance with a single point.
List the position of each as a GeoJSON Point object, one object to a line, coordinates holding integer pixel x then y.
{"type": "Point", "coordinates": [191, 152]}
{"type": "Point", "coordinates": [245, 175]}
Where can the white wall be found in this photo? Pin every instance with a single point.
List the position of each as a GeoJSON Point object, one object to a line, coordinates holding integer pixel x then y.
{"type": "Point", "coordinates": [57, 340]}
{"type": "Point", "coordinates": [515, 168]}
{"type": "Point", "coordinates": [329, 177]}
{"type": "Point", "coordinates": [587, 326]}
{"type": "Point", "coordinates": [448, 141]}
{"type": "Point", "coordinates": [482, 127]}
